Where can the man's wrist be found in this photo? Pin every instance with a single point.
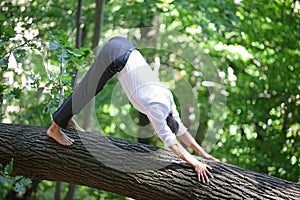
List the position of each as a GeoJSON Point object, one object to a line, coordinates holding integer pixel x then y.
{"type": "Point", "coordinates": [191, 159]}
{"type": "Point", "coordinates": [203, 153]}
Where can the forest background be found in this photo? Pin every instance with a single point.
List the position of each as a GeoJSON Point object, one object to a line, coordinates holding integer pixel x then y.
{"type": "Point", "coordinates": [240, 59]}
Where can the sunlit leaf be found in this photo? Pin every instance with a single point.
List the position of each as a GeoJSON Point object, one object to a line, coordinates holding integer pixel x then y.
{"type": "Point", "coordinates": [20, 188]}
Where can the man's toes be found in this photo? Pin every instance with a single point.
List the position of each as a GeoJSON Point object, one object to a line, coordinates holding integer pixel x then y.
{"type": "Point", "coordinates": [63, 141]}
{"type": "Point", "coordinates": [67, 142]}
{"type": "Point", "coordinates": [70, 140]}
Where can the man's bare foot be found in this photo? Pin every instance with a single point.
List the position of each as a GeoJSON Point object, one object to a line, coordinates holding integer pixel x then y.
{"type": "Point", "coordinates": [55, 132]}
{"type": "Point", "coordinates": [74, 125]}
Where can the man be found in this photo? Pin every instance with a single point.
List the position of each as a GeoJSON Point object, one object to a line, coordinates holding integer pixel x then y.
{"type": "Point", "coordinates": [144, 91]}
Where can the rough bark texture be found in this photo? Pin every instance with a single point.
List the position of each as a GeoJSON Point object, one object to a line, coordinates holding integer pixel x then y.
{"type": "Point", "coordinates": [130, 169]}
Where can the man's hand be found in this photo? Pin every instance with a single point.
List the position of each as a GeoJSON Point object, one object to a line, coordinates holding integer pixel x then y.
{"type": "Point", "coordinates": [209, 157]}
{"type": "Point", "coordinates": [203, 172]}
{"type": "Point", "coordinates": [201, 169]}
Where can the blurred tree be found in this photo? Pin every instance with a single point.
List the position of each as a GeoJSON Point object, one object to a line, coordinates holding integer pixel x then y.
{"type": "Point", "coordinates": [263, 103]}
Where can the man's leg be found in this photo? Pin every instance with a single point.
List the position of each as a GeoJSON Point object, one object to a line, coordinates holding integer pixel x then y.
{"type": "Point", "coordinates": [74, 125]}
{"type": "Point", "coordinates": [112, 58]}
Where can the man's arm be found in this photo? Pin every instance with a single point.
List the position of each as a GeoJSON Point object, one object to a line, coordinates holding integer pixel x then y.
{"type": "Point", "coordinates": [191, 142]}
{"type": "Point", "coordinates": [157, 116]}
{"type": "Point", "coordinates": [201, 168]}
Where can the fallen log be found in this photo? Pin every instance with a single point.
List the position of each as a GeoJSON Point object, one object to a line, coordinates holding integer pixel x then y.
{"type": "Point", "coordinates": [129, 169]}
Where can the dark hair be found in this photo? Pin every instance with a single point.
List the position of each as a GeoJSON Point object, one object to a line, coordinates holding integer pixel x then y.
{"type": "Point", "coordinates": [172, 123]}
{"type": "Point", "coordinates": [142, 119]}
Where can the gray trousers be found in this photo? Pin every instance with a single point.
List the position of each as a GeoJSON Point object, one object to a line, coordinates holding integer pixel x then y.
{"type": "Point", "coordinates": [111, 59]}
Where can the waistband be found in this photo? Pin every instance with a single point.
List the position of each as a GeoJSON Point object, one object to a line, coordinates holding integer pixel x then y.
{"type": "Point", "coordinates": [118, 64]}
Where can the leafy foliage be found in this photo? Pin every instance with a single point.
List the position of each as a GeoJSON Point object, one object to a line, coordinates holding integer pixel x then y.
{"type": "Point", "coordinates": [17, 183]}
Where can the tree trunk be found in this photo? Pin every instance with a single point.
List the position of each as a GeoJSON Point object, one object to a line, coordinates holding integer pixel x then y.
{"type": "Point", "coordinates": [57, 190]}
{"type": "Point", "coordinates": [78, 25]}
{"type": "Point", "coordinates": [99, 16]}
{"type": "Point", "coordinates": [72, 187]}
{"type": "Point", "coordinates": [129, 169]}
{"type": "Point", "coordinates": [71, 192]}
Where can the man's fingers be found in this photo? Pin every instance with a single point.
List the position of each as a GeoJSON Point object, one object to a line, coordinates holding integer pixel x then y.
{"type": "Point", "coordinates": [209, 167]}
{"type": "Point", "coordinates": [207, 178]}
{"type": "Point", "coordinates": [204, 173]}
{"type": "Point", "coordinates": [200, 177]}
{"type": "Point", "coordinates": [203, 177]}
{"type": "Point", "coordinates": [209, 173]}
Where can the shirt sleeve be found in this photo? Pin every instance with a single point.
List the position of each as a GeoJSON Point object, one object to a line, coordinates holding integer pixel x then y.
{"type": "Point", "coordinates": [157, 115]}
{"type": "Point", "coordinates": [182, 129]}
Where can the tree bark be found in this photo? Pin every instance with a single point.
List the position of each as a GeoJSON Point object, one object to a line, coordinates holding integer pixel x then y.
{"type": "Point", "coordinates": [100, 162]}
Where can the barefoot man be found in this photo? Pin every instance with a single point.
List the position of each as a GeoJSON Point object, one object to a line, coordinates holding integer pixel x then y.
{"type": "Point", "coordinates": [143, 89]}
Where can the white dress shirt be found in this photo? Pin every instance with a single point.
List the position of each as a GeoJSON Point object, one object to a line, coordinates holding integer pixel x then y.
{"type": "Point", "coordinates": [149, 96]}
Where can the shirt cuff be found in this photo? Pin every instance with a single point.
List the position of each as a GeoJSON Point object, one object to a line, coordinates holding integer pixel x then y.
{"type": "Point", "coordinates": [182, 130]}
{"type": "Point", "coordinates": [172, 142]}
{"type": "Point", "coordinates": [169, 139]}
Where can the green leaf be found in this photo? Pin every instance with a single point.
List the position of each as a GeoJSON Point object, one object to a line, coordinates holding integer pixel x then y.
{"type": "Point", "coordinates": [2, 179]}
{"type": "Point", "coordinates": [21, 184]}
{"type": "Point", "coordinates": [6, 180]}
{"type": "Point", "coordinates": [20, 58]}
{"type": "Point", "coordinates": [18, 178]}
{"type": "Point", "coordinates": [73, 53]}
{"type": "Point", "coordinates": [3, 87]}
{"type": "Point", "coordinates": [53, 45]}
{"type": "Point", "coordinates": [17, 92]}
{"type": "Point", "coordinates": [19, 188]}
{"type": "Point", "coordinates": [8, 168]}
{"type": "Point", "coordinates": [4, 62]}
{"type": "Point", "coordinates": [63, 38]}
{"type": "Point", "coordinates": [8, 96]}
{"type": "Point", "coordinates": [63, 54]}
{"type": "Point", "coordinates": [25, 181]}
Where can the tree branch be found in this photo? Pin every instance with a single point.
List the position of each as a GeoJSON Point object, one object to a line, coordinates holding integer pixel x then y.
{"type": "Point", "coordinates": [129, 169]}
